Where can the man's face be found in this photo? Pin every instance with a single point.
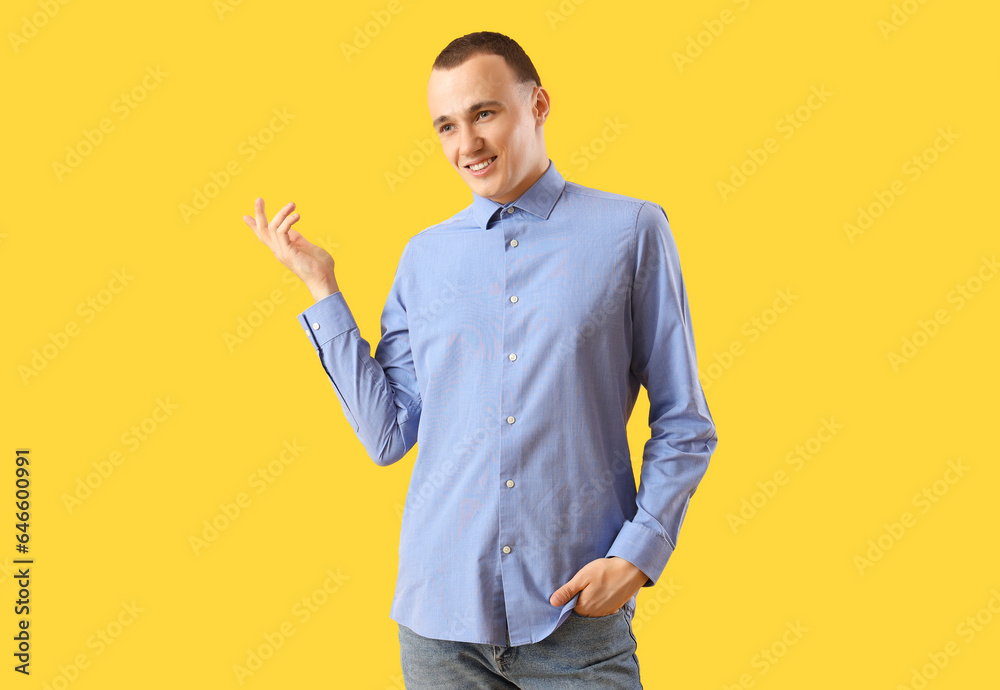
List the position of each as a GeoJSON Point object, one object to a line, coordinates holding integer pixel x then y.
{"type": "Point", "coordinates": [481, 113]}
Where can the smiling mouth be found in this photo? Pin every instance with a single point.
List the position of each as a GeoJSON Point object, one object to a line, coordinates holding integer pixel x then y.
{"type": "Point", "coordinates": [479, 167]}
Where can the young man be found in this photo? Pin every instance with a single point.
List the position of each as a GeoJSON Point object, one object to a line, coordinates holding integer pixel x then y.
{"type": "Point", "coordinates": [515, 338]}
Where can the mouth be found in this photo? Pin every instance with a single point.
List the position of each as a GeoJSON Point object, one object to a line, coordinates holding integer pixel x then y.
{"type": "Point", "coordinates": [482, 167]}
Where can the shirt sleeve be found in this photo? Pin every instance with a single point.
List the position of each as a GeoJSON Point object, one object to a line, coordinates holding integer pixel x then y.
{"type": "Point", "coordinates": [379, 394]}
{"type": "Point", "coordinates": [676, 456]}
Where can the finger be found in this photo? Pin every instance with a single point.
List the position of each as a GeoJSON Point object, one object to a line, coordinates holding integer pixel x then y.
{"type": "Point", "coordinates": [261, 218]}
{"type": "Point", "coordinates": [282, 231]}
{"type": "Point", "coordinates": [279, 217]}
{"type": "Point", "coordinates": [252, 223]}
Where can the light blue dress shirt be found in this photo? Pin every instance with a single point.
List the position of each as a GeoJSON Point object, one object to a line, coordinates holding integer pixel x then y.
{"type": "Point", "coordinates": [514, 342]}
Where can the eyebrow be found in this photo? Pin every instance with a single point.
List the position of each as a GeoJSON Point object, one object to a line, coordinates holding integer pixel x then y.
{"type": "Point", "coordinates": [472, 108]}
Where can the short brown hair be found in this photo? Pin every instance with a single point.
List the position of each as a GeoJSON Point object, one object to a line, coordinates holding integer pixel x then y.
{"type": "Point", "coordinates": [489, 43]}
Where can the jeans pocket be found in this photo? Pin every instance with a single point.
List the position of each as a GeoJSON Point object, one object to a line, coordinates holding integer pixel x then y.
{"type": "Point", "coordinates": [629, 611]}
{"type": "Point", "coordinates": [573, 612]}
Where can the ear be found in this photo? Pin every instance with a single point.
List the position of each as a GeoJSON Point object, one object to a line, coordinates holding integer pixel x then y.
{"type": "Point", "coordinates": [541, 104]}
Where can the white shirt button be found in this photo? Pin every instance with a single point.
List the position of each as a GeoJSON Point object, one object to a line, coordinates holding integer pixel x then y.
{"type": "Point", "coordinates": [513, 243]}
{"type": "Point", "coordinates": [506, 549]}
{"type": "Point", "coordinates": [510, 420]}
{"type": "Point", "coordinates": [512, 356]}
{"type": "Point", "coordinates": [513, 298]}
{"type": "Point", "coordinates": [315, 326]}
{"type": "Point", "coordinates": [510, 482]}
{"type": "Point", "coordinates": [510, 209]}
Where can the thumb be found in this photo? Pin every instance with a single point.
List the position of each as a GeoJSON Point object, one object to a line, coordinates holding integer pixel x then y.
{"type": "Point", "coordinates": [566, 592]}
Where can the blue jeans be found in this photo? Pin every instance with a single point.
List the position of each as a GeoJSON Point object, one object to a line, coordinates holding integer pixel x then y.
{"type": "Point", "coordinates": [583, 652]}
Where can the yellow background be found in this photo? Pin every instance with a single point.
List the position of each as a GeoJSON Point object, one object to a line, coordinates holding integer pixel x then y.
{"type": "Point", "coordinates": [727, 593]}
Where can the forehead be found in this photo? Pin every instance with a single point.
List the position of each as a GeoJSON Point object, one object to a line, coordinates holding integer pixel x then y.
{"type": "Point", "coordinates": [478, 78]}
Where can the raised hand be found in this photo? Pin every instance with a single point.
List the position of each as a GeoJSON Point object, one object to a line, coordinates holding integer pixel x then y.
{"type": "Point", "coordinates": [311, 263]}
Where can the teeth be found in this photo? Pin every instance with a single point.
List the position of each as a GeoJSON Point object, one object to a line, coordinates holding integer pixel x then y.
{"type": "Point", "coordinates": [482, 165]}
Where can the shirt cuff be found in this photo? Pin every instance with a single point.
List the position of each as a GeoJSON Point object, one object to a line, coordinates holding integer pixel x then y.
{"type": "Point", "coordinates": [643, 548]}
{"type": "Point", "coordinates": [326, 319]}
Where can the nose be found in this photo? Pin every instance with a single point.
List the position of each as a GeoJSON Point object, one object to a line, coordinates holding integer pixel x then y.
{"type": "Point", "coordinates": [469, 143]}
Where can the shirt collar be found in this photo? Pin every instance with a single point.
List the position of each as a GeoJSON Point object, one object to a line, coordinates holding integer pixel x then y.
{"type": "Point", "coordinates": [538, 199]}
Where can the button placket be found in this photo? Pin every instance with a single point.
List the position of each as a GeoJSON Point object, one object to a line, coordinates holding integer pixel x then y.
{"type": "Point", "coordinates": [508, 401]}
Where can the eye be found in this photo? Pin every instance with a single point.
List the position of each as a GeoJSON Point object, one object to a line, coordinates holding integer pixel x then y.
{"type": "Point", "coordinates": [444, 128]}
